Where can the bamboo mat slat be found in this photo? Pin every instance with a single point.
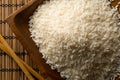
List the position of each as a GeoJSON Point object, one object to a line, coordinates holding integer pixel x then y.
{"type": "Point", "coordinates": [9, 70]}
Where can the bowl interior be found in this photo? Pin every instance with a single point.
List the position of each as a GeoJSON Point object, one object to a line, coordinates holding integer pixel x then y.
{"type": "Point", "coordinates": [19, 24]}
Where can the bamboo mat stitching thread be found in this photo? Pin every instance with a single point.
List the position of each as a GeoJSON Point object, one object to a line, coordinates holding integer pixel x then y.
{"type": "Point", "coordinates": [8, 68]}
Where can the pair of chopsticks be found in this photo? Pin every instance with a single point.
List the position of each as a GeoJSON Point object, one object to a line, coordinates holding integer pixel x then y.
{"type": "Point", "coordinates": [25, 67]}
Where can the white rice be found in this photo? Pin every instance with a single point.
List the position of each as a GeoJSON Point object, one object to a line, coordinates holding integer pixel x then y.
{"type": "Point", "coordinates": [79, 38]}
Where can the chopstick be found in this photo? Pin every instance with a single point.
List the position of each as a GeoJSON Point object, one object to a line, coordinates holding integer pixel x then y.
{"type": "Point", "coordinates": [16, 59]}
{"type": "Point", "coordinates": [5, 47]}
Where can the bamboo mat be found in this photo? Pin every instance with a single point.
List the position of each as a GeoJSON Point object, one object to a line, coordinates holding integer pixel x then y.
{"type": "Point", "coordinates": [9, 70]}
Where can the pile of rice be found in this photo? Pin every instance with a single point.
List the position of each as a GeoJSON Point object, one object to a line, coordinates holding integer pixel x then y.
{"type": "Point", "coordinates": [79, 38]}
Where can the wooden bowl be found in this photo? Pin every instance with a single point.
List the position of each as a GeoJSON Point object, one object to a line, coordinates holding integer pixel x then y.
{"type": "Point", "coordinates": [19, 24]}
